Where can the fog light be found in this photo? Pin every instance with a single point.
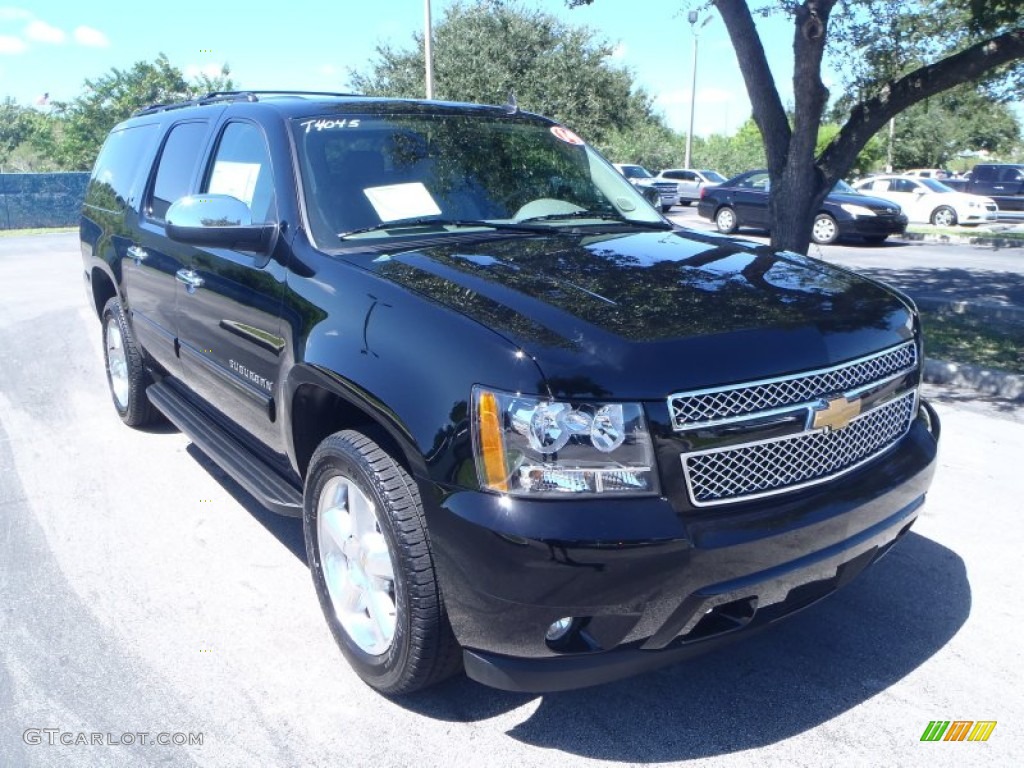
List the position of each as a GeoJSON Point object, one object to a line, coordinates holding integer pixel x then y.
{"type": "Point", "coordinates": [559, 629]}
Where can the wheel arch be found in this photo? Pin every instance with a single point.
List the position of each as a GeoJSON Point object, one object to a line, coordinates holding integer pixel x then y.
{"type": "Point", "coordinates": [321, 404]}
{"type": "Point", "coordinates": [103, 289]}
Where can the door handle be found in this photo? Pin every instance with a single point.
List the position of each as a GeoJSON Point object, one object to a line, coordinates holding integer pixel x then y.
{"type": "Point", "coordinates": [139, 255]}
{"type": "Point", "coordinates": [189, 278]}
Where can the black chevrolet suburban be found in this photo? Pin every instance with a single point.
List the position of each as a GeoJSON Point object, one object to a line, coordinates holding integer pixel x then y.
{"type": "Point", "coordinates": [533, 429]}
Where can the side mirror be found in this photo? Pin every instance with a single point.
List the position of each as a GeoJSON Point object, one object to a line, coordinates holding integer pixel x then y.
{"type": "Point", "coordinates": [217, 221]}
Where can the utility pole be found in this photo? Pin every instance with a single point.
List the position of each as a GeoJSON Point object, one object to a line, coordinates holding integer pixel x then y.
{"type": "Point", "coordinates": [692, 18]}
{"type": "Point", "coordinates": [892, 139]}
{"type": "Point", "coordinates": [427, 50]}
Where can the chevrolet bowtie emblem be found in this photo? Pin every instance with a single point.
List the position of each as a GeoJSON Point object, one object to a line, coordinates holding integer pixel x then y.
{"type": "Point", "coordinates": [836, 414]}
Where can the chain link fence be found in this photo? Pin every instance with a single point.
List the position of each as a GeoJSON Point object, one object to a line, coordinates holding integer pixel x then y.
{"type": "Point", "coordinates": [41, 199]}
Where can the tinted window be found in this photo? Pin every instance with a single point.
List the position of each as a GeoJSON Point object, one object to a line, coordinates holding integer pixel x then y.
{"type": "Point", "coordinates": [984, 173]}
{"type": "Point", "coordinates": [118, 166]}
{"type": "Point", "coordinates": [241, 168]}
{"type": "Point", "coordinates": [757, 181]}
{"type": "Point", "coordinates": [1011, 174]}
{"type": "Point", "coordinates": [178, 162]}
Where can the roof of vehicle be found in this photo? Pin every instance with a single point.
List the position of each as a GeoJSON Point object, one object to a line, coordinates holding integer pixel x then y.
{"type": "Point", "coordinates": [302, 103]}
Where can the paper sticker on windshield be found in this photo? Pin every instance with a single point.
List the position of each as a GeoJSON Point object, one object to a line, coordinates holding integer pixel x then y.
{"type": "Point", "coordinates": [401, 201]}
{"type": "Point", "coordinates": [563, 133]}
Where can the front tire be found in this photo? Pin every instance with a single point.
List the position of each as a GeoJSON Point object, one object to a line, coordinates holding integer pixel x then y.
{"type": "Point", "coordinates": [666, 208]}
{"type": "Point", "coordinates": [944, 216]}
{"type": "Point", "coordinates": [372, 566]}
{"type": "Point", "coordinates": [726, 221]}
{"type": "Point", "coordinates": [824, 231]}
{"type": "Point", "coordinates": [126, 372]}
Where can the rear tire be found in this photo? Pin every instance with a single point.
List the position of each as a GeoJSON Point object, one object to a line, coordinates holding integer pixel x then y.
{"type": "Point", "coordinates": [726, 221]}
{"type": "Point", "coordinates": [372, 566]}
{"type": "Point", "coordinates": [126, 372]}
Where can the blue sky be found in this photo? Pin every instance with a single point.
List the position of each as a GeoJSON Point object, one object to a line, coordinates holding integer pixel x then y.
{"type": "Point", "coordinates": [51, 46]}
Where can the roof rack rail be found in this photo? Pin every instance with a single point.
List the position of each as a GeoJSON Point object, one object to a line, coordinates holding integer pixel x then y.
{"type": "Point", "coordinates": [218, 96]}
{"type": "Point", "coordinates": [276, 92]}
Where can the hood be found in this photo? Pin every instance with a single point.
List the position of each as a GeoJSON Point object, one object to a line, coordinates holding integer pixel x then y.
{"type": "Point", "coordinates": [637, 316]}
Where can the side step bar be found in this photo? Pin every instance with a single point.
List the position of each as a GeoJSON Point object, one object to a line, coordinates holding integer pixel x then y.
{"type": "Point", "coordinates": [247, 469]}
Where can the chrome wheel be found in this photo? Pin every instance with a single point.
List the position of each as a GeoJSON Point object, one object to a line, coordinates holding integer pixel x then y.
{"type": "Point", "coordinates": [824, 230]}
{"type": "Point", "coordinates": [117, 363]}
{"type": "Point", "coordinates": [357, 566]}
{"type": "Point", "coordinates": [944, 217]}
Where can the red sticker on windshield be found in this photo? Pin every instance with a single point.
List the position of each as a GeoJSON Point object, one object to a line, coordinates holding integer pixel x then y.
{"type": "Point", "coordinates": [563, 133]}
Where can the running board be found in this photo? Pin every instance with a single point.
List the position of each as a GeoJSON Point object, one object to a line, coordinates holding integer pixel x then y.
{"type": "Point", "coordinates": [246, 468]}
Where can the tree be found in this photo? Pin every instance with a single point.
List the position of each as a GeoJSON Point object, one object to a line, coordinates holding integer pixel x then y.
{"type": "Point", "coordinates": [79, 127]}
{"type": "Point", "coordinates": [912, 50]}
{"type": "Point", "coordinates": [488, 49]}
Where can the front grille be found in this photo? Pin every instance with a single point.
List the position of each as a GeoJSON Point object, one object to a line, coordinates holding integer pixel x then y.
{"type": "Point", "coordinates": [708, 407]}
{"type": "Point", "coordinates": [784, 464]}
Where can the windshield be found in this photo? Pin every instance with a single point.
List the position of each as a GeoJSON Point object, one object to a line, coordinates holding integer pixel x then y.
{"type": "Point", "coordinates": [841, 187]}
{"type": "Point", "coordinates": [713, 176]}
{"type": "Point", "coordinates": [935, 186]}
{"type": "Point", "coordinates": [392, 175]}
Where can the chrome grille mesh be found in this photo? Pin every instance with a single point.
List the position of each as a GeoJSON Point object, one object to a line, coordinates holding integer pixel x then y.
{"type": "Point", "coordinates": [694, 409]}
{"type": "Point", "coordinates": [732, 474]}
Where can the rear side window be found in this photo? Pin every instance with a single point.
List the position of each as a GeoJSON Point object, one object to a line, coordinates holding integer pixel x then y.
{"type": "Point", "coordinates": [1012, 174]}
{"type": "Point", "coordinates": [119, 164]}
{"type": "Point", "coordinates": [178, 163]}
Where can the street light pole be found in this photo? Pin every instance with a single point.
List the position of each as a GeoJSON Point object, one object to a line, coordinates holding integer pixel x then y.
{"type": "Point", "coordinates": [695, 30]}
{"type": "Point", "coordinates": [428, 57]}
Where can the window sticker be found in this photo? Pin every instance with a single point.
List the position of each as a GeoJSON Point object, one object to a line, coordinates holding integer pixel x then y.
{"type": "Point", "coordinates": [235, 179]}
{"type": "Point", "coordinates": [564, 134]}
{"type": "Point", "coordinates": [401, 201]}
{"type": "Point", "coordinates": [328, 124]}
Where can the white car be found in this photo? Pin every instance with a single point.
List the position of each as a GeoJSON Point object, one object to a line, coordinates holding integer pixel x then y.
{"type": "Point", "coordinates": [930, 201]}
{"type": "Point", "coordinates": [689, 182]}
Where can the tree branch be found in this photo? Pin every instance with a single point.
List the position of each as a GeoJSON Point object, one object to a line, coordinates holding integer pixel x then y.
{"type": "Point", "coordinates": [769, 113]}
{"type": "Point", "coordinates": [868, 117]}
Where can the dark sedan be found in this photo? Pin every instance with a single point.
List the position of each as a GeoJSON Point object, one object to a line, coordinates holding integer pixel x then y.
{"type": "Point", "coordinates": [742, 201]}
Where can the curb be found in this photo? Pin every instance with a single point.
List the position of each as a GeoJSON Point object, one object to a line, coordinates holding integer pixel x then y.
{"type": "Point", "coordinates": [1008, 386]}
{"type": "Point", "coordinates": [993, 241]}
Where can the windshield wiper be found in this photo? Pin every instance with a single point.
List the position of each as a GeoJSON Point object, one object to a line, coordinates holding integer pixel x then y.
{"type": "Point", "coordinates": [426, 221]}
{"type": "Point", "coordinates": [602, 215]}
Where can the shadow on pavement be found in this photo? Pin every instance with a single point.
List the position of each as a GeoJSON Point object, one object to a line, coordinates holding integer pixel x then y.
{"type": "Point", "coordinates": [287, 530]}
{"type": "Point", "coordinates": [785, 681]}
{"type": "Point", "coordinates": [954, 284]}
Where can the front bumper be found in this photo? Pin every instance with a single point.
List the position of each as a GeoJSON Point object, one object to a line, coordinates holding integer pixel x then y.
{"type": "Point", "coordinates": [650, 584]}
{"type": "Point", "coordinates": [872, 226]}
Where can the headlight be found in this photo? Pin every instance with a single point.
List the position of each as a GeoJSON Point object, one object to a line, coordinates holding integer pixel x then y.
{"type": "Point", "coordinates": [973, 204]}
{"type": "Point", "coordinates": [857, 210]}
{"type": "Point", "coordinates": [529, 446]}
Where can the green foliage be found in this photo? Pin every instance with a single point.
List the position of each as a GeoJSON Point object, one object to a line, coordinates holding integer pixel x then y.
{"type": "Point", "coordinates": [651, 145]}
{"type": "Point", "coordinates": [487, 49]}
{"type": "Point", "coordinates": [730, 155]}
{"type": "Point", "coordinates": [871, 158]}
{"type": "Point", "coordinates": [77, 128]}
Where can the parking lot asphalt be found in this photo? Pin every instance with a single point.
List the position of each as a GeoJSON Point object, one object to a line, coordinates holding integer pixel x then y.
{"type": "Point", "coordinates": [142, 591]}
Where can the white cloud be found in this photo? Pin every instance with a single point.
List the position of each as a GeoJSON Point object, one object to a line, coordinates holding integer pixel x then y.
{"type": "Point", "coordinates": [12, 45]}
{"type": "Point", "coordinates": [195, 70]}
{"type": "Point", "coordinates": [42, 32]}
{"type": "Point", "coordinates": [9, 13]}
{"type": "Point", "coordinates": [328, 69]}
{"type": "Point", "coordinates": [91, 37]}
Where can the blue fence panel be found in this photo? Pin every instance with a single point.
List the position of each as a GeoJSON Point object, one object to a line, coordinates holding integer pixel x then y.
{"type": "Point", "coordinates": [41, 199]}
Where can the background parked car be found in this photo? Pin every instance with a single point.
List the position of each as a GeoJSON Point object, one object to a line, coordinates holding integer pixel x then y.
{"type": "Point", "coordinates": [689, 182]}
{"type": "Point", "coordinates": [928, 173]}
{"type": "Point", "coordinates": [1003, 182]}
{"type": "Point", "coordinates": [931, 201]}
{"type": "Point", "coordinates": [640, 177]}
{"type": "Point", "coordinates": [742, 201]}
